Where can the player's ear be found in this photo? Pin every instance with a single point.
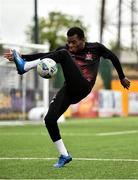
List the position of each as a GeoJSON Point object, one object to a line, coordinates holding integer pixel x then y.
{"type": "Point", "coordinates": [83, 39]}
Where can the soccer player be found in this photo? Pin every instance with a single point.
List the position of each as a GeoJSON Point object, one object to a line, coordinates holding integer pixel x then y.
{"type": "Point", "coordinates": [79, 61]}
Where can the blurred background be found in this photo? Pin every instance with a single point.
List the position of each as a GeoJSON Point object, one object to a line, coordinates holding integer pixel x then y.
{"type": "Point", "coordinates": [32, 26]}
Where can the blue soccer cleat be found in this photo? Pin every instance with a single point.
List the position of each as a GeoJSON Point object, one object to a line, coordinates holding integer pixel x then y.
{"type": "Point", "coordinates": [19, 62]}
{"type": "Point", "coordinates": [62, 161]}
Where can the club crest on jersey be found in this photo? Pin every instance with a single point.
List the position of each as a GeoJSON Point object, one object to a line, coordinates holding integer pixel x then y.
{"type": "Point", "coordinates": [88, 57]}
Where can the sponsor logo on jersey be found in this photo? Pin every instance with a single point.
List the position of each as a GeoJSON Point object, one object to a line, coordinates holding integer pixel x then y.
{"type": "Point", "coordinates": [89, 57]}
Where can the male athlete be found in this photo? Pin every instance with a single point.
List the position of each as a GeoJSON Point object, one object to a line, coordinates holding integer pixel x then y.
{"type": "Point", "coordinates": [79, 61]}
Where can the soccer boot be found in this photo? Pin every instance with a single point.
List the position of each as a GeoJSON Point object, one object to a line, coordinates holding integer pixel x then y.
{"type": "Point", "coordinates": [62, 161]}
{"type": "Point", "coordinates": [19, 62]}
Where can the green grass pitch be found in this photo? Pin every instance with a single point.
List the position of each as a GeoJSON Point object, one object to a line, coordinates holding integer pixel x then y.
{"type": "Point", "coordinates": [105, 148]}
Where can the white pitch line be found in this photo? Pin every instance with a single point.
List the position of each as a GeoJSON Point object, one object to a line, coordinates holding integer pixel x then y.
{"type": "Point", "coordinates": [25, 158]}
{"type": "Point", "coordinates": [71, 134]}
{"type": "Point", "coordinates": [117, 133]}
{"type": "Point", "coordinates": [42, 134]}
{"type": "Point", "coordinates": [77, 159]}
{"type": "Point", "coordinates": [102, 134]}
{"type": "Point", "coordinates": [100, 159]}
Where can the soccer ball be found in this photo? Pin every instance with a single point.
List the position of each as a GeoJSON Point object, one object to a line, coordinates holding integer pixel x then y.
{"type": "Point", "coordinates": [47, 68]}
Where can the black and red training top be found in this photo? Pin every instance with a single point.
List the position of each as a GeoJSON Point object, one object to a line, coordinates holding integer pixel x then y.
{"type": "Point", "coordinates": [88, 59]}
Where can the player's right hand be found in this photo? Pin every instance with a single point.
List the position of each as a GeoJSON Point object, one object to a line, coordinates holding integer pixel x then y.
{"type": "Point", "coordinates": [125, 83]}
{"type": "Point", "coordinates": [8, 54]}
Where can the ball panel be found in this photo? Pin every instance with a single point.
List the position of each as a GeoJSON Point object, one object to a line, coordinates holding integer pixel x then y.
{"type": "Point", "coordinates": [47, 68]}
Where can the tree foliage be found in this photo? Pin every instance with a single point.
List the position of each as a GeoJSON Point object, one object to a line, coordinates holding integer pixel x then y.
{"type": "Point", "coordinates": [52, 29]}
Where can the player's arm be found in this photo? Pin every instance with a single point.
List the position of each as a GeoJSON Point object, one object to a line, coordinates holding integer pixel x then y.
{"type": "Point", "coordinates": [31, 57]}
{"type": "Point", "coordinates": [106, 53]}
{"type": "Point", "coordinates": [8, 54]}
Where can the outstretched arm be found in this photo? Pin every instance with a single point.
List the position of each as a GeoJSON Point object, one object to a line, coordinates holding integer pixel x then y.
{"type": "Point", "coordinates": [28, 57]}
{"type": "Point", "coordinates": [106, 53]}
{"type": "Point", "coordinates": [32, 57]}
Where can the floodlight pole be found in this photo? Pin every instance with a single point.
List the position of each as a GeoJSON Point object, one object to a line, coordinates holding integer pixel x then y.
{"type": "Point", "coordinates": [119, 27]}
{"type": "Point", "coordinates": [102, 20]}
{"type": "Point", "coordinates": [45, 82]}
{"type": "Point", "coordinates": [36, 31]}
{"type": "Point", "coordinates": [36, 41]}
{"type": "Point", "coordinates": [132, 24]}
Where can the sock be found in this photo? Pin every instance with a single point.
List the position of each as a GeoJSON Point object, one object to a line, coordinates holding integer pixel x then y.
{"type": "Point", "coordinates": [31, 64]}
{"type": "Point", "coordinates": [61, 147]}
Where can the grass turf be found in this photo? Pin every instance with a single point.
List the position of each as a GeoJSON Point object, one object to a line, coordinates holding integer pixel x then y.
{"type": "Point", "coordinates": [82, 140]}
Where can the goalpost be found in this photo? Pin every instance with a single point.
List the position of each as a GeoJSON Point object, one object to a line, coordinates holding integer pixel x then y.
{"type": "Point", "coordinates": [25, 48]}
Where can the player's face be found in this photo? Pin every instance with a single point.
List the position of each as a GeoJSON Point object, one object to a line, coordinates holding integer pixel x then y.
{"type": "Point", "coordinates": [75, 43]}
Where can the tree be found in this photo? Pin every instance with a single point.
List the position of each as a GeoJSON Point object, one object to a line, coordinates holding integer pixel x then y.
{"type": "Point", "coordinates": [52, 31]}
{"type": "Point", "coordinates": [1, 49]}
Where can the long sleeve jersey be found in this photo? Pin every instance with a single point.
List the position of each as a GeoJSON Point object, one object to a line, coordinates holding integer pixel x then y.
{"type": "Point", "coordinates": [88, 59]}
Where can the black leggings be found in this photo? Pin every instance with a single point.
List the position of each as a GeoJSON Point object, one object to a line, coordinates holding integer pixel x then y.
{"type": "Point", "coordinates": [76, 87]}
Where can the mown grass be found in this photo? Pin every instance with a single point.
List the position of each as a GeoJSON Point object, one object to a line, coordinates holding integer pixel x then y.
{"type": "Point", "coordinates": [82, 140]}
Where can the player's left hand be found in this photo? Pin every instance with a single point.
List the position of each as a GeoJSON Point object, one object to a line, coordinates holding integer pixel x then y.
{"type": "Point", "coordinates": [125, 83]}
{"type": "Point", "coordinates": [8, 54]}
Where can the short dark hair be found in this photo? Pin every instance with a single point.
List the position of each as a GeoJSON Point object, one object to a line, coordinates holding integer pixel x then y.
{"type": "Point", "coordinates": [76, 30]}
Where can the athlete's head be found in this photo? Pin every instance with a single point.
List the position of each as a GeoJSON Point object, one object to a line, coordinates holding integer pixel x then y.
{"type": "Point", "coordinates": [75, 39]}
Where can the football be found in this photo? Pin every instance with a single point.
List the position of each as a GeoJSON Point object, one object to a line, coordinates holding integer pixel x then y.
{"type": "Point", "coordinates": [47, 68]}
